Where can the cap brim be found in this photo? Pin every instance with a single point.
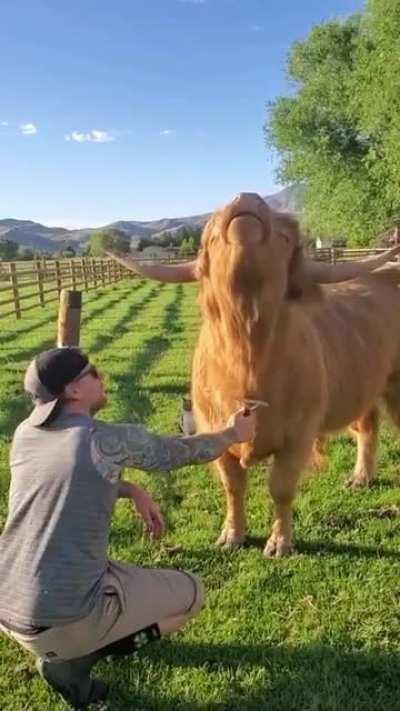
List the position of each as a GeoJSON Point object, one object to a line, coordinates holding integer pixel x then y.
{"type": "Point", "coordinates": [43, 411]}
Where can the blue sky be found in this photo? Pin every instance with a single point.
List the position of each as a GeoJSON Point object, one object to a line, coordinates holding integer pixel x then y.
{"type": "Point", "coordinates": [140, 109]}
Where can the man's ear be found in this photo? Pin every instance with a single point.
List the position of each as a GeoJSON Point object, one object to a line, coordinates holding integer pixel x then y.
{"type": "Point", "coordinates": [71, 391]}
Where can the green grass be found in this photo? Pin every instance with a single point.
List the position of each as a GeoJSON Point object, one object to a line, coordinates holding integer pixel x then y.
{"type": "Point", "coordinates": [319, 631]}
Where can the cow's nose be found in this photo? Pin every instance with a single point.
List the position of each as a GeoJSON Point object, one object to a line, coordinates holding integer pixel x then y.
{"type": "Point", "coordinates": [247, 198]}
{"type": "Point", "coordinates": [245, 229]}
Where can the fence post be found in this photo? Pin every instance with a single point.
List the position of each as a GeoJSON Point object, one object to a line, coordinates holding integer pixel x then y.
{"type": "Point", "coordinates": [69, 318]}
{"type": "Point", "coordinates": [40, 281]}
{"type": "Point", "coordinates": [94, 272]}
{"type": "Point", "coordinates": [102, 272]}
{"type": "Point", "coordinates": [84, 273]}
{"type": "Point", "coordinates": [14, 286]}
{"type": "Point", "coordinates": [58, 276]}
{"type": "Point", "coordinates": [73, 275]}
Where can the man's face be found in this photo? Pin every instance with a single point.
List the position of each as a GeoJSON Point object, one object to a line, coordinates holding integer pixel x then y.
{"type": "Point", "coordinates": [88, 390]}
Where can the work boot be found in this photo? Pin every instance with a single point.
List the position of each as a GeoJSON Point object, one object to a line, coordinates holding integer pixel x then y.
{"type": "Point", "coordinates": [72, 680]}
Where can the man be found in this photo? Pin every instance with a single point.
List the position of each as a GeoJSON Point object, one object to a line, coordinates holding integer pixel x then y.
{"type": "Point", "coordinates": [60, 597]}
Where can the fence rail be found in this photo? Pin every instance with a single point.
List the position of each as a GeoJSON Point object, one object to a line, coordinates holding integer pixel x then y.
{"type": "Point", "coordinates": [27, 285]}
{"type": "Point", "coordinates": [343, 254]}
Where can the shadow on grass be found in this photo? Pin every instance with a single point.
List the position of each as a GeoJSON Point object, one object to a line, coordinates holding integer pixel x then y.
{"type": "Point", "coordinates": [331, 548]}
{"type": "Point", "coordinates": [106, 305]}
{"type": "Point", "coordinates": [12, 412]}
{"type": "Point", "coordinates": [22, 356]}
{"type": "Point", "coordinates": [306, 678]}
{"type": "Point", "coordinates": [30, 328]}
{"type": "Point", "coordinates": [133, 398]}
{"type": "Point", "coordinates": [14, 407]}
{"type": "Point", "coordinates": [124, 323]}
{"type": "Point", "coordinates": [34, 325]}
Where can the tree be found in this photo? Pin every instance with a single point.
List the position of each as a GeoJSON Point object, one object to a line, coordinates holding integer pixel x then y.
{"type": "Point", "coordinates": [143, 243]}
{"type": "Point", "coordinates": [67, 253]}
{"type": "Point", "coordinates": [8, 250]}
{"type": "Point", "coordinates": [26, 254]}
{"type": "Point", "coordinates": [187, 246]}
{"type": "Point", "coordinates": [112, 239]}
{"type": "Point", "coordinates": [339, 133]}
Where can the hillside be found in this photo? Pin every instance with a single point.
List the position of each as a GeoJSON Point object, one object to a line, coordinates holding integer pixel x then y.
{"type": "Point", "coordinates": [41, 238]}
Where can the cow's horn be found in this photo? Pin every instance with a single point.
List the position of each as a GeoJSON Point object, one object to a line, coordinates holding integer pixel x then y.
{"type": "Point", "coordinates": [328, 273]}
{"type": "Point", "coordinates": [176, 273]}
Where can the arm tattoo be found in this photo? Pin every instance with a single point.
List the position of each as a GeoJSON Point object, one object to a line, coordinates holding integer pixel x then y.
{"type": "Point", "coordinates": [134, 446]}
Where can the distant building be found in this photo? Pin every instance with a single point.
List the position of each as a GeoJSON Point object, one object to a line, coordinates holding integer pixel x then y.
{"type": "Point", "coordinates": [390, 237]}
{"type": "Point", "coordinates": [155, 252]}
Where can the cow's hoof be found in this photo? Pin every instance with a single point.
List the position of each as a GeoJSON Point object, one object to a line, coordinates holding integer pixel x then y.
{"type": "Point", "coordinates": [230, 539]}
{"type": "Point", "coordinates": [277, 547]}
{"type": "Point", "coordinates": [358, 482]}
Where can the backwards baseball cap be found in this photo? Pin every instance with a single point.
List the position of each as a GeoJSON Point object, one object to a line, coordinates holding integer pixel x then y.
{"type": "Point", "coordinates": [46, 378]}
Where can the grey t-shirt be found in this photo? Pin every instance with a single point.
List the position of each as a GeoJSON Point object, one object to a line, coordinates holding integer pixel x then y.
{"type": "Point", "coordinates": [64, 484]}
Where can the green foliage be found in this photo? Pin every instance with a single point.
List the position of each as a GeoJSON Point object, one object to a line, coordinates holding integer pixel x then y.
{"type": "Point", "coordinates": [145, 242]}
{"type": "Point", "coordinates": [187, 246]}
{"type": "Point", "coordinates": [8, 250]}
{"type": "Point", "coordinates": [187, 239]}
{"type": "Point", "coordinates": [192, 236]}
{"type": "Point", "coordinates": [26, 254]}
{"type": "Point", "coordinates": [339, 133]}
{"type": "Point", "coordinates": [113, 239]}
{"type": "Point", "coordinates": [68, 253]}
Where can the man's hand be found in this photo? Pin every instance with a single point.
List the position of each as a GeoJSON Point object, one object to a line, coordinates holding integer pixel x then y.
{"type": "Point", "coordinates": [147, 510]}
{"type": "Point", "coordinates": [243, 422]}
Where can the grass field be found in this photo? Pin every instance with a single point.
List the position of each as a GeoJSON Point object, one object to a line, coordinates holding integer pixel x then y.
{"type": "Point", "coordinates": [319, 631]}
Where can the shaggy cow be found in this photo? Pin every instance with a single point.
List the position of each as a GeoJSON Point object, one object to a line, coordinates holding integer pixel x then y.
{"type": "Point", "coordinates": [321, 356]}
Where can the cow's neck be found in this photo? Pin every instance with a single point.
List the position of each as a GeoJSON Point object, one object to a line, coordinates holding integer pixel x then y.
{"type": "Point", "coordinates": [243, 338]}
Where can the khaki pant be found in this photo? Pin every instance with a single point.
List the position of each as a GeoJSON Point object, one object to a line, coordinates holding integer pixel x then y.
{"type": "Point", "coordinates": [130, 599]}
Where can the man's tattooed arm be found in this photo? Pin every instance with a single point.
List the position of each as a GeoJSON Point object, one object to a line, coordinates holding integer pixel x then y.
{"type": "Point", "coordinates": [133, 446]}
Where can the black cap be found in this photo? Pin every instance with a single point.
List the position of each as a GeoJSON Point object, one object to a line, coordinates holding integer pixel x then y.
{"type": "Point", "coordinates": [46, 378]}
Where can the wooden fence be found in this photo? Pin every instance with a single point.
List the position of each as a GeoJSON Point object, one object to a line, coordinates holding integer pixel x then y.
{"type": "Point", "coordinates": [26, 285]}
{"type": "Point", "coordinates": [342, 254]}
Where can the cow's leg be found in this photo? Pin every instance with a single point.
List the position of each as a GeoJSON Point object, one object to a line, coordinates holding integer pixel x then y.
{"type": "Point", "coordinates": [318, 455]}
{"type": "Point", "coordinates": [282, 485]}
{"type": "Point", "coordinates": [392, 400]}
{"type": "Point", "coordinates": [366, 431]}
{"type": "Point", "coordinates": [234, 480]}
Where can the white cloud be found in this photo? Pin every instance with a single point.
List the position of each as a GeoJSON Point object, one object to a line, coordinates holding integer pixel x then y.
{"type": "Point", "coordinates": [28, 129]}
{"type": "Point", "coordinates": [256, 28]}
{"type": "Point", "coordinates": [167, 132]}
{"type": "Point", "coordinates": [93, 136]}
{"type": "Point", "coordinates": [4, 123]}
{"type": "Point", "coordinates": [102, 136]}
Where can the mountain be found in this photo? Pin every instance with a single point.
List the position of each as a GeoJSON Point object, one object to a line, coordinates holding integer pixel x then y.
{"type": "Point", "coordinates": [50, 239]}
